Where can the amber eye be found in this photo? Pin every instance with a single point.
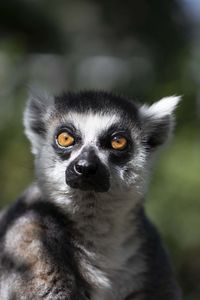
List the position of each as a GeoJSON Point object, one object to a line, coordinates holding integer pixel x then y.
{"type": "Point", "coordinates": [119, 143]}
{"type": "Point", "coordinates": [64, 139]}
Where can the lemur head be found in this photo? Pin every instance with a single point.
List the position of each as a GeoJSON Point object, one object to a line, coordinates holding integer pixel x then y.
{"type": "Point", "coordinates": [95, 141]}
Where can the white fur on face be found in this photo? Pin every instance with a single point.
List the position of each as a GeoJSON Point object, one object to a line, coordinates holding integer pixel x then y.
{"type": "Point", "coordinates": [91, 125]}
{"type": "Point", "coordinates": [51, 171]}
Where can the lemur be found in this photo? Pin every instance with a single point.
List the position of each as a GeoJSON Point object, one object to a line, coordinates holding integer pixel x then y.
{"type": "Point", "coordinates": [80, 231]}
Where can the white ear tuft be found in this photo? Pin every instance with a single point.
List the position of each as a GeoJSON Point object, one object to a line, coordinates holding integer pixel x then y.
{"type": "Point", "coordinates": [158, 121]}
{"type": "Point", "coordinates": [161, 108]}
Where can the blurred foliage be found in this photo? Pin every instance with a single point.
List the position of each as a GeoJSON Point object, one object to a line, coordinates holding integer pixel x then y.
{"type": "Point", "coordinates": [29, 24]}
{"type": "Point", "coordinates": [146, 49]}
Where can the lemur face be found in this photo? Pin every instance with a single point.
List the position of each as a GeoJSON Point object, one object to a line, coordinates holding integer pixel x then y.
{"type": "Point", "coordinates": [95, 141]}
{"type": "Point", "coordinates": [95, 148]}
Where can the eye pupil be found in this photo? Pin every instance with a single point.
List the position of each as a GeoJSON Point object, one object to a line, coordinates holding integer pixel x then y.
{"type": "Point", "coordinates": [119, 142]}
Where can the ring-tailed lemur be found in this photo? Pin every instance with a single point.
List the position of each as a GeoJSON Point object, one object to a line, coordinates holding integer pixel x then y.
{"type": "Point", "coordinates": [80, 232]}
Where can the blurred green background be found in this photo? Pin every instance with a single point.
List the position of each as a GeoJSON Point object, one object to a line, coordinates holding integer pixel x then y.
{"type": "Point", "coordinates": [145, 49]}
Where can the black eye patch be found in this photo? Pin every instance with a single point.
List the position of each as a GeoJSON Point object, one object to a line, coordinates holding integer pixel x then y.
{"type": "Point", "coordinates": [65, 152]}
{"type": "Point", "coordinates": [105, 142]}
{"type": "Point", "coordinates": [121, 157]}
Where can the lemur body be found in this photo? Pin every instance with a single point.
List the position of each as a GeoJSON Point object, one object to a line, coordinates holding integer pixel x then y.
{"type": "Point", "coordinates": [80, 232]}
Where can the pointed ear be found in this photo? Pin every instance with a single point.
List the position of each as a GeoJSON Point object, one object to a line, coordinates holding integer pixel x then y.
{"type": "Point", "coordinates": [35, 115]}
{"type": "Point", "coordinates": [158, 121]}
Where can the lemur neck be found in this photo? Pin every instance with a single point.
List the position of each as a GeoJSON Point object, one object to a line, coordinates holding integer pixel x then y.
{"type": "Point", "coordinates": [104, 220]}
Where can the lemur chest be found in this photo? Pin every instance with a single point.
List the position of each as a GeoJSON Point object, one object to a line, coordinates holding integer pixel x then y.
{"type": "Point", "coordinates": [41, 266]}
{"type": "Point", "coordinates": [112, 266]}
{"type": "Point", "coordinates": [31, 269]}
{"type": "Point", "coordinates": [123, 286]}
{"type": "Point", "coordinates": [116, 276]}
{"type": "Point", "coordinates": [48, 266]}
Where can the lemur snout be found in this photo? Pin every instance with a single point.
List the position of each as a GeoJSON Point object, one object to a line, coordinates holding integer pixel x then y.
{"type": "Point", "coordinates": [84, 167]}
{"type": "Point", "coordinates": [88, 172]}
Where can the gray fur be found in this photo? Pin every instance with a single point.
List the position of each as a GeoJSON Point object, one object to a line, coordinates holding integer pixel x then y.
{"type": "Point", "coordinates": [59, 242]}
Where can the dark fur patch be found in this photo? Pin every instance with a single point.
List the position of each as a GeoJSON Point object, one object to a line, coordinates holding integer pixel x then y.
{"type": "Point", "coordinates": [58, 252]}
{"type": "Point", "coordinates": [157, 132]}
{"type": "Point", "coordinates": [97, 101]}
{"type": "Point", "coordinates": [117, 156]}
{"type": "Point", "coordinates": [159, 277]}
{"type": "Point", "coordinates": [65, 153]}
{"type": "Point", "coordinates": [38, 127]}
{"type": "Point", "coordinates": [37, 110]}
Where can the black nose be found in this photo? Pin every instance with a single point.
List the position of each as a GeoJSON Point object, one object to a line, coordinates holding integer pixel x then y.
{"type": "Point", "coordinates": [85, 167]}
{"type": "Point", "coordinates": [88, 173]}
